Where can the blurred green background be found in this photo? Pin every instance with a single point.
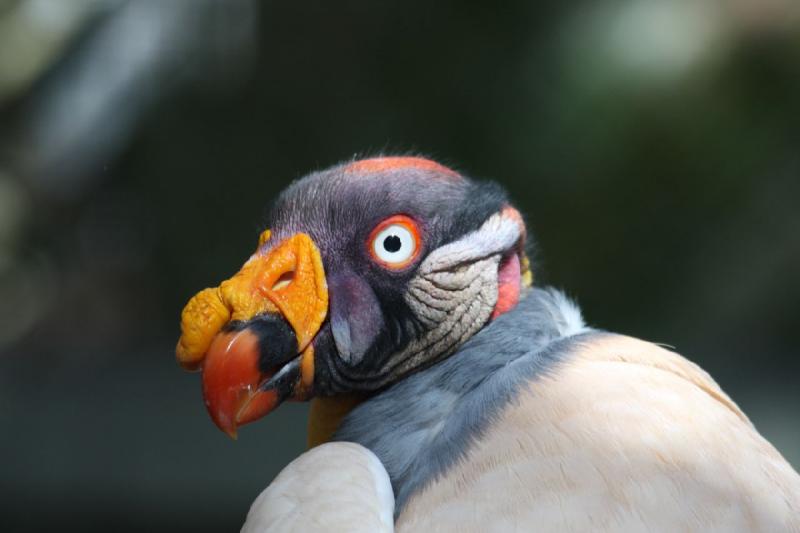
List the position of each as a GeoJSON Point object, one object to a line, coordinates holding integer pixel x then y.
{"type": "Point", "coordinates": [652, 144]}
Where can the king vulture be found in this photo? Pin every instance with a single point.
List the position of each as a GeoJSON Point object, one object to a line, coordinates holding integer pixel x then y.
{"type": "Point", "coordinates": [448, 393]}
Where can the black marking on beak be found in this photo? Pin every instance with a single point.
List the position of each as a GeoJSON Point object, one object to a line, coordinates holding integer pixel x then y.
{"type": "Point", "coordinates": [285, 380]}
{"type": "Point", "coordinates": [277, 342]}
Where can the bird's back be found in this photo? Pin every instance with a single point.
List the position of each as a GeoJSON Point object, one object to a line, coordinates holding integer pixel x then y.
{"type": "Point", "coordinates": [621, 435]}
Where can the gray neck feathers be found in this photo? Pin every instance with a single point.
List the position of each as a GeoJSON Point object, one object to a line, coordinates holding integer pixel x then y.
{"type": "Point", "coordinates": [422, 425]}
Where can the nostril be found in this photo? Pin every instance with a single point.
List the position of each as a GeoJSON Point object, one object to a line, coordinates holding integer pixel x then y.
{"type": "Point", "coordinates": [283, 281]}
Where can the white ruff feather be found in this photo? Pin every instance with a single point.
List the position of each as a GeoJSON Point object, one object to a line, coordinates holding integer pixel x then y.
{"type": "Point", "coordinates": [567, 314]}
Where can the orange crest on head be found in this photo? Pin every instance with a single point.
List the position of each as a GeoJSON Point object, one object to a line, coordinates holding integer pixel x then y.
{"type": "Point", "coordinates": [384, 164]}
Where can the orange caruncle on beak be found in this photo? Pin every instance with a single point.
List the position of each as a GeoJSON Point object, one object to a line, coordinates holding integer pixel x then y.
{"type": "Point", "coordinates": [285, 282]}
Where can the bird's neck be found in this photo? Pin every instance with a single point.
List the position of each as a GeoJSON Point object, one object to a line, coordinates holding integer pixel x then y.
{"type": "Point", "coordinates": [421, 425]}
{"type": "Point", "coordinates": [326, 413]}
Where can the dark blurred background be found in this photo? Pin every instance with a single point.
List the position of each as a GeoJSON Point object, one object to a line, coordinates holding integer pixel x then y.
{"type": "Point", "coordinates": [652, 144]}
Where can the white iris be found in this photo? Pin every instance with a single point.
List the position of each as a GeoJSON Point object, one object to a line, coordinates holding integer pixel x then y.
{"type": "Point", "coordinates": [394, 244]}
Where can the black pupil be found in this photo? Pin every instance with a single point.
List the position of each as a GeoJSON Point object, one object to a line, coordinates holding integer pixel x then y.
{"type": "Point", "coordinates": [392, 243]}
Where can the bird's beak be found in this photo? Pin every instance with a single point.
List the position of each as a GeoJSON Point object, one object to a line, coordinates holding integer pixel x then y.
{"type": "Point", "coordinates": [252, 336]}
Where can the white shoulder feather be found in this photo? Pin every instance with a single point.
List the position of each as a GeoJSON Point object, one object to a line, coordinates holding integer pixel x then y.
{"type": "Point", "coordinates": [335, 487]}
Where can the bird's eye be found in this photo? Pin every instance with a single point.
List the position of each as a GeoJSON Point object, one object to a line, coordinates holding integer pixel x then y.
{"type": "Point", "coordinates": [394, 243]}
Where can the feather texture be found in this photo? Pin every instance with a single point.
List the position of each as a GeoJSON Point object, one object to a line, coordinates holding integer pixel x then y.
{"type": "Point", "coordinates": [623, 436]}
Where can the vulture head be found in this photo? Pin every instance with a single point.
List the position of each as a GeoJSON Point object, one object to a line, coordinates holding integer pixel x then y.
{"type": "Point", "coordinates": [368, 272]}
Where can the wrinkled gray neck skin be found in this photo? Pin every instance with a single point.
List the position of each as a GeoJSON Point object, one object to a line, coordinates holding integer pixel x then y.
{"type": "Point", "coordinates": [422, 425]}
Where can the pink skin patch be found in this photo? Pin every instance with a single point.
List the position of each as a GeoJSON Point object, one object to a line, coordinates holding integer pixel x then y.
{"type": "Point", "coordinates": [383, 164]}
{"type": "Point", "coordinates": [508, 285]}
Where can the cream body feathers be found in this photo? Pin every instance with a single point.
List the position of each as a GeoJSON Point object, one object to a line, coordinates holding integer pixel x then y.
{"type": "Point", "coordinates": [624, 436]}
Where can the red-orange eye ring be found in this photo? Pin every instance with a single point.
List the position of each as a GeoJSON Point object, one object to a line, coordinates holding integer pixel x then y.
{"type": "Point", "coordinates": [395, 243]}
